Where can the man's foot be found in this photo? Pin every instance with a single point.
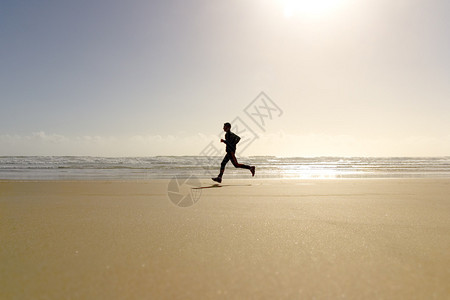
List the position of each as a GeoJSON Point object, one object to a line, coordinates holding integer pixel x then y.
{"type": "Point", "coordinates": [217, 179]}
{"type": "Point", "coordinates": [252, 169]}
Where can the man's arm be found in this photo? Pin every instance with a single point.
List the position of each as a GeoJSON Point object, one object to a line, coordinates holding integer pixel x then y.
{"type": "Point", "coordinates": [234, 139]}
{"type": "Point", "coordinates": [226, 142]}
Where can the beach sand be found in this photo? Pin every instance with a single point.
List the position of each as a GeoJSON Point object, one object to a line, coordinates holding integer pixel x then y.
{"type": "Point", "coordinates": [249, 239]}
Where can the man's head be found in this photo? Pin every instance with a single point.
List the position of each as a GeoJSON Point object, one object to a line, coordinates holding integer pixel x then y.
{"type": "Point", "coordinates": [226, 127]}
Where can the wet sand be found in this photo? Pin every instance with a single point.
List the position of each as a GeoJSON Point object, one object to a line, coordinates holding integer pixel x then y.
{"type": "Point", "coordinates": [253, 239]}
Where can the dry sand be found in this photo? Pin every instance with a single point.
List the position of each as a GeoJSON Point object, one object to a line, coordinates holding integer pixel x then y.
{"type": "Point", "coordinates": [250, 239]}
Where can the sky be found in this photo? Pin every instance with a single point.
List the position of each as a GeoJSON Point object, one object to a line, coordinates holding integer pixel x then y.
{"type": "Point", "coordinates": [144, 78]}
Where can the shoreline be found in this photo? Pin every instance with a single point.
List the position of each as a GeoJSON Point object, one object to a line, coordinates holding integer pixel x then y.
{"type": "Point", "coordinates": [204, 167]}
{"type": "Point", "coordinates": [256, 179]}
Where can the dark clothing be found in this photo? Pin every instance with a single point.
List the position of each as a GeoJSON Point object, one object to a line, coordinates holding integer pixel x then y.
{"type": "Point", "coordinates": [230, 156]}
{"type": "Point", "coordinates": [231, 140]}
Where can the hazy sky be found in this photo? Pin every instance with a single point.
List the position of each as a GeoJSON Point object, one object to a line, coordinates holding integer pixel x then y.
{"type": "Point", "coordinates": [126, 78]}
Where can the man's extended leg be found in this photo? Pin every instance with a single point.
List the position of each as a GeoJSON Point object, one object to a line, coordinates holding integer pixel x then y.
{"type": "Point", "coordinates": [222, 168]}
{"type": "Point", "coordinates": [223, 164]}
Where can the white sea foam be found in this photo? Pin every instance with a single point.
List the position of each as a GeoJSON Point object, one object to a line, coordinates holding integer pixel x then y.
{"type": "Point", "coordinates": [86, 167]}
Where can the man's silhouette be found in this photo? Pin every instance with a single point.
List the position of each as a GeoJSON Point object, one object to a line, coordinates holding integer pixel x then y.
{"type": "Point", "coordinates": [231, 140]}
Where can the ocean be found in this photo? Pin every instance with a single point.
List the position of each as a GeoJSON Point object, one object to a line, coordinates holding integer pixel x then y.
{"type": "Point", "coordinates": [165, 167]}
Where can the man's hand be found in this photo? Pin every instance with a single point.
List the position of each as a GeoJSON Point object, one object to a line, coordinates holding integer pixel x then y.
{"type": "Point", "coordinates": [222, 140]}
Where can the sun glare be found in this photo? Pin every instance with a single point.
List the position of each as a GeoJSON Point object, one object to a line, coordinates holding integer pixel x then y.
{"type": "Point", "coordinates": [309, 7]}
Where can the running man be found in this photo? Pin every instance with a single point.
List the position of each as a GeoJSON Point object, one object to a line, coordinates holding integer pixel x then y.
{"type": "Point", "coordinates": [231, 140]}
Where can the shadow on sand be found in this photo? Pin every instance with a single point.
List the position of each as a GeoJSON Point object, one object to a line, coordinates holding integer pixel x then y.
{"type": "Point", "coordinates": [219, 185]}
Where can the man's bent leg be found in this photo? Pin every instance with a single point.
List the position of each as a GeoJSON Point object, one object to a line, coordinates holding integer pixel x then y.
{"type": "Point", "coordinates": [236, 164]}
